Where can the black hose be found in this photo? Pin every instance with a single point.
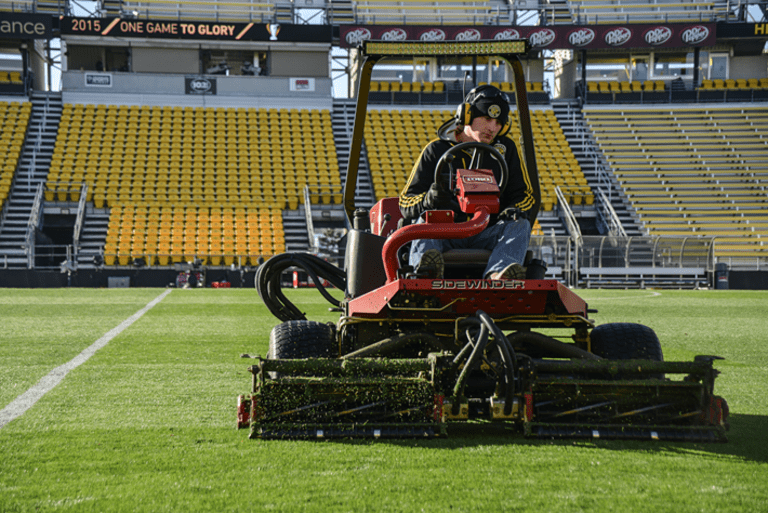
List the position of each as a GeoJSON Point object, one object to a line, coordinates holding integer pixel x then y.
{"type": "Point", "coordinates": [552, 347]}
{"type": "Point", "coordinates": [269, 286]}
{"type": "Point", "coordinates": [477, 352]}
{"type": "Point", "coordinates": [389, 344]}
{"type": "Point", "coordinates": [508, 357]}
{"type": "Point", "coordinates": [464, 350]}
{"type": "Point", "coordinates": [508, 362]}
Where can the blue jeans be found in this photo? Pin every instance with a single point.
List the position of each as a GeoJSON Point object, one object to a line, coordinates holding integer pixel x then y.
{"type": "Point", "coordinates": [507, 241]}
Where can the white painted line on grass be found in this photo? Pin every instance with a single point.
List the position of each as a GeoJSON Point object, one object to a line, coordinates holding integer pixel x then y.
{"type": "Point", "coordinates": [25, 401]}
{"type": "Point", "coordinates": [653, 294]}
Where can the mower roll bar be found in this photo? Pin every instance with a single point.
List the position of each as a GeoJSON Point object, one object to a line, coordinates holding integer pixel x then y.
{"type": "Point", "coordinates": [384, 49]}
{"type": "Point", "coordinates": [447, 230]}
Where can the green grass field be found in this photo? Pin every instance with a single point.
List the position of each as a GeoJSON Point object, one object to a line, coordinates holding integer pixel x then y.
{"type": "Point", "coordinates": [147, 423]}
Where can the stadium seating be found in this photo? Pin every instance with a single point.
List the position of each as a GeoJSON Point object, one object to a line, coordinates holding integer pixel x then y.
{"type": "Point", "coordinates": [426, 12]}
{"type": "Point", "coordinates": [692, 171]}
{"type": "Point", "coordinates": [10, 77]}
{"type": "Point", "coordinates": [170, 234]}
{"type": "Point", "coordinates": [14, 118]}
{"type": "Point", "coordinates": [197, 161]}
{"type": "Point", "coordinates": [230, 10]}
{"type": "Point", "coordinates": [643, 11]}
{"type": "Point", "coordinates": [733, 90]}
{"type": "Point", "coordinates": [742, 83]}
{"type": "Point", "coordinates": [414, 128]}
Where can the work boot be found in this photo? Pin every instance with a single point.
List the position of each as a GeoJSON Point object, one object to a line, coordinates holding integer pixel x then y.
{"type": "Point", "coordinates": [431, 265]}
{"type": "Point", "coordinates": [513, 271]}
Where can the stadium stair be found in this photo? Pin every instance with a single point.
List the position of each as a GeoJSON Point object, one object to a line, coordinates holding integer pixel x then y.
{"type": "Point", "coordinates": [558, 12]}
{"type": "Point", "coordinates": [587, 153]}
{"type": "Point", "coordinates": [343, 118]}
{"type": "Point", "coordinates": [93, 235]}
{"type": "Point", "coordinates": [295, 229]}
{"type": "Point", "coordinates": [341, 12]}
{"type": "Point", "coordinates": [32, 171]}
{"type": "Point", "coordinates": [331, 216]}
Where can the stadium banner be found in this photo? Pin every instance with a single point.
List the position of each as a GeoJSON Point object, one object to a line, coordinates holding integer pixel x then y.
{"type": "Point", "coordinates": [220, 31]}
{"type": "Point", "coordinates": [742, 30]}
{"type": "Point", "coordinates": [650, 35]}
{"type": "Point", "coordinates": [25, 26]}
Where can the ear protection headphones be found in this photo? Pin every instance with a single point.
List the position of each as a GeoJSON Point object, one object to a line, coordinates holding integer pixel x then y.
{"type": "Point", "coordinates": [464, 111]}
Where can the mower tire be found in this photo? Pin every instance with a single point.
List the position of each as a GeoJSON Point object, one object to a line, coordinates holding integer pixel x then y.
{"type": "Point", "coordinates": [626, 341]}
{"type": "Point", "coordinates": [302, 339]}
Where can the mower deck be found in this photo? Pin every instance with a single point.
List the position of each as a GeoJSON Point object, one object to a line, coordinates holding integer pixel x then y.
{"type": "Point", "coordinates": [405, 398]}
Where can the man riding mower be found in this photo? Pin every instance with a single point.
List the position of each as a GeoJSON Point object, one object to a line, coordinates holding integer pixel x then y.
{"type": "Point", "coordinates": [416, 349]}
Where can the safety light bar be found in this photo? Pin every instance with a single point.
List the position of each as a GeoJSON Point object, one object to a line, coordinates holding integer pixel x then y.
{"type": "Point", "coordinates": [424, 48]}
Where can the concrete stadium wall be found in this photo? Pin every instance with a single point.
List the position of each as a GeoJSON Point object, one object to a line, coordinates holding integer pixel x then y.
{"type": "Point", "coordinates": [237, 91]}
{"type": "Point", "coordinates": [752, 66]}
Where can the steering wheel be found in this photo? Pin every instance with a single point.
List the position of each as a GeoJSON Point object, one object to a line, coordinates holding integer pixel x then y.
{"type": "Point", "coordinates": [482, 149]}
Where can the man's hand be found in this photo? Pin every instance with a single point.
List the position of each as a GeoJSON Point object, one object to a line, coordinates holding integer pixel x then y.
{"type": "Point", "coordinates": [513, 214]}
{"type": "Point", "coordinates": [437, 198]}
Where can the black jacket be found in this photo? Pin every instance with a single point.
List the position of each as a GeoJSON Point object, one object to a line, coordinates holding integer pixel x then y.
{"type": "Point", "coordinates": [522, 192]}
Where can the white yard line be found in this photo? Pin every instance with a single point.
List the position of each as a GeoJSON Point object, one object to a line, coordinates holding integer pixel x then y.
{"type": "Point", "coordinates": [25, 401]}
{"type": "Point", "coordinates": [652, 294]}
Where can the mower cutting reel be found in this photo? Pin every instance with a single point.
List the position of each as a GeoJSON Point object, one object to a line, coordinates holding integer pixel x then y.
{"type": "Point", "coordinates": [409, 355]}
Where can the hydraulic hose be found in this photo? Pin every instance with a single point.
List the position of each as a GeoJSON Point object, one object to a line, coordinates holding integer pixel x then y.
{"type": "Point", "coordinates": [551, 346]}
{"type": "Point", "coordinates": [389, 344]}
{"type": "Point", "coordinates": [477, 352]}
{"type": "Point", "coordinates": [268, 277]}
{"type": "Point", "coordinates": [508, 356]}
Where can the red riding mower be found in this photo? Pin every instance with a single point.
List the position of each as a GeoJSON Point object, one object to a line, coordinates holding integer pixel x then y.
{"type": "Point", "coordinates": [411, 355]}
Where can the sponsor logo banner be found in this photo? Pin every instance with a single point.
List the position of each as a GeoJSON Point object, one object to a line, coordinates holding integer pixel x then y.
{"type": "Point", "coordinates": [742, 30]}
{"type": "Point", "coordinates": [199, 85]}
{"type": "Point", "coordinates": [98, 80]}
{"type": "Point", "coordinates": [26, 26]}
{"type": "Point", "coordinates": [302, 84]}
{"type": "Point", "coordinates": [663, 35]}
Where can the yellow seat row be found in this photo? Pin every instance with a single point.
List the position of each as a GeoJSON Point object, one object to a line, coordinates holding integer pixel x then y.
{"type": "Point", "coordinates": [158, 147]}
{"type": "Point", "coordinates": [216, 235]}
{"type": "Point", "coordinates": [556, 162]}
{"type": "Point", "coordinates": [14, 118]}
{"type": "Point", "coordinates": [741, 83]}
{"type": "Point", "coordinates": [408, 87]}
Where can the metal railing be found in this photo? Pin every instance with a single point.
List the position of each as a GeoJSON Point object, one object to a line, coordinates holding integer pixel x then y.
{"type": "Point", "coordinates": [79, 219]}
{"type": "Point", "coordinates": [32, 224]}
{"type": "Point", "coordinates": [607, 215]}
{"type": "Point", "coordinates": [558, 254]}
{"type": "Point", "coordinates": [55, 256]}
{"type": "Point", "coordinates": [308, 218]}
{"type": "Point", "coordinates": [566, 215]}
{"type": "Point", "coordinates": [654, 251]}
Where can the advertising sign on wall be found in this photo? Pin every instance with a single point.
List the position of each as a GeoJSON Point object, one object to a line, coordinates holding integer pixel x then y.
{"type": "Point", "coordinates": [668, 35]}
{"type": "Point", "coordinates": [98, 80]}
{"type": "Point", "coordinates": [25, 26]}
{"type": "Point", "coordinates": [302, 84]}
{"type": "Point", "coordinates": [199, 85]}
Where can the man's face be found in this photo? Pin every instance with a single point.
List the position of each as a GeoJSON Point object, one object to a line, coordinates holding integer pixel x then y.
{"type": "Point", "coordinates": [483, 129]}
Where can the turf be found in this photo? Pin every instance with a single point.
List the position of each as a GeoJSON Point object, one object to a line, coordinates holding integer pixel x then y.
{"type": "Point", "coordinates": [147, 424]}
